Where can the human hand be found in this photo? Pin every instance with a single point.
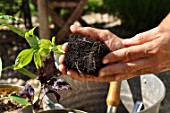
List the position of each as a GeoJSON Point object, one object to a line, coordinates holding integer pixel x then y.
{"type": "Point", "coordinates": [111, 40]}
{"type": "Point", "coordinates": [145, 53]}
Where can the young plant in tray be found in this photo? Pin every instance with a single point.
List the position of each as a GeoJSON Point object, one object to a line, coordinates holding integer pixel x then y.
{"type": "Point", "coordinates": [46, 71]}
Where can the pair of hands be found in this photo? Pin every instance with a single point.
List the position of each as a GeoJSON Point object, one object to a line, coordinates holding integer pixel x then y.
{"type": "Point", "coordinates": [145, 53]}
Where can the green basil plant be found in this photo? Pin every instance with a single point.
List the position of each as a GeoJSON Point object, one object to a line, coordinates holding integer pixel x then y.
{"type": "Point", "coordinates": [38, 47]}
{"type": "Point", "coordinates": [46, 70]}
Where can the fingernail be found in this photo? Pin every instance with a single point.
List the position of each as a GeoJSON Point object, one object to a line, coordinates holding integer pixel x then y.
{"type": "Point", "coordinates": [101, 73]}
{"type": "Point", "coordinates": [68, 73]}
{"type": "Point", "coordinates": [105, 61]}
{"type": "Point", "coordinates": [73, 27]}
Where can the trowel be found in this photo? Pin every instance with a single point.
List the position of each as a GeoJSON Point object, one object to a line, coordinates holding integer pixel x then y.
{"type": "Point", "coordinates": [113, 96]}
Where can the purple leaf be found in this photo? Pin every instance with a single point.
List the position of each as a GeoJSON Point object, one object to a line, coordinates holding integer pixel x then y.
{"type": "Point", "coordinates": [42, 79]}
{"type": "Point", "coordinates": [26, 92]}
{"type": "Point", "coordinates": [60, 84]}
{"type": "Point", "coordinates": [50, 91]}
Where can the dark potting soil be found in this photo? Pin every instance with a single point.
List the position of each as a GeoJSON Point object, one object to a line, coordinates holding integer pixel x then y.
{"type": "Point", "coordinates": [85, 54]}
{"type": "Point", "coordinates": [8, 105]}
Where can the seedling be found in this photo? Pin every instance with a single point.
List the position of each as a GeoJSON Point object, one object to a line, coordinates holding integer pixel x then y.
{"type": "Point", "coordinates": [47, 72]}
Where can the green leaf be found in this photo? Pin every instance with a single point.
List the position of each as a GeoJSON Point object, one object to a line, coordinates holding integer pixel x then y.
{"type": "Point", "coordinates": [24, 58]}
{"type": "Point", "coordinates": [45, 47]}
{"type": "Point", "coordinates": [27, 73]}
{"type": "Point", "coordinates": [44, 52]}
{"type": "Point", "coordinates": [53, 40]}
{"type": "Point", "coordinates": [0, 66]}
{"type": "Point", "coordinates": [37, 60]}
{"type": "Point", "coordinates": [8, 67]}
{"type": "Point", "coordinates": [58, 49]}
{"type": "Point", "coordinates": [45, 43]}
{"type": "Point", "coordinates": [7, 17]}
{"type": "Point", "coordinates": [20, 32]}
{"type": "Point", "coordinates": [23, 71]}
{"type": "Point", "coordinates": [19, 99]}
{"type": "Point", "coordinates": [31, 32]}
{"type": "Point", "coordinates": [32, 40]}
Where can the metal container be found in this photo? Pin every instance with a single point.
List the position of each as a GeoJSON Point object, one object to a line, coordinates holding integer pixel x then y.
{"type": "Point", "coordinates": [91, 96]}
{"type": "Point", "coordinates": [9, 88]}
{"type": "Point", "coordinates": [150, 90]}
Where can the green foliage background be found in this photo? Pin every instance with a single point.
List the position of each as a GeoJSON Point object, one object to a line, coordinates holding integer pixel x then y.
{"type": "Point", "coordinates": [138, 15]}
{"type": "Point", "coordinates": [94, 5]}
{"type": "Point", "coordinates": [10, 6]}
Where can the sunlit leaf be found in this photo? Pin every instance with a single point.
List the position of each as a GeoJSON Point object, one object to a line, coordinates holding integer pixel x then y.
{"type": "Point", "coordinates": [32, 40]}
{"type": "Point", "coordinates": [27, 73]}
{"type": "Point", "coordinates": [7, 17]}
{"type": "Point", "coordinates": [58, 49]}
{"type": "Point", "coordinates": [20, 32]}
{"type": "Point", "coordinates": [37, 60]}
{"type": "Point", "coordinates": [23, 71]}
{"type": "Point", "coordinates": [44, 43]}
{"type": "Point", "coordinates": [19, 99]}
{"type": "Point", "coordinates": [44, 52]}
{"type": "Point", "coordinates": [31, 32]}
{"type": "Point", "coordinates": [45, 47]}
{"type": "Point", "coordinates": [53, 40]}
{"type": "Point", "coordinates": [24, 58]}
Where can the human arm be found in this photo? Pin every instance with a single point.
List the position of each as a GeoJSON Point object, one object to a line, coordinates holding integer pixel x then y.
{"type": "Point", "coordinates": [147, 52]}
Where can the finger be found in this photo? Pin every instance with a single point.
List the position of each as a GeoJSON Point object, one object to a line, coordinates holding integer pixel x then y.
{"type": "Point", "coordinates": [80, 77]}
{"type": "Point", "coordinates": [141, 38]}
{"type": "Point", "coordinates": [127, 54]}
{"type": "Point", "coordinates": [64, 46]}
{"type": "Point", "coordinates": [61, 59]}
{"type": "Point", "coordinates": [86, 77]}
{"type": "Point", "coordinates": [120, 77]}
{"type": "Point", "coordinates": [86, 31]}
{"type": "Point", "coordinates": [62, 68]}
{"type": "Point", "coordinates": [127, 67]}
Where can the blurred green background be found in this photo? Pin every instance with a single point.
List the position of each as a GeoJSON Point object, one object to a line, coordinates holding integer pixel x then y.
{"type": "Point", "coordinates": [136, 15]}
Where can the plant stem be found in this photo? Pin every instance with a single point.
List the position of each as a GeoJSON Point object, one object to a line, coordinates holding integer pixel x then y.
{"type": "Point", "coordinates": [42, 86]}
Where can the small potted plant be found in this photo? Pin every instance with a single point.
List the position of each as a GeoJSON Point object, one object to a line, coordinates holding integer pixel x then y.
{"type": "Point", "coordinates": [47, 73]}
{"type": "Point", "coordinates": [9, 101]}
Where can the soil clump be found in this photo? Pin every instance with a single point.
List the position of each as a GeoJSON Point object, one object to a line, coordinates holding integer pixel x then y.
{"type": "Point", "coordinates": [85, 54]}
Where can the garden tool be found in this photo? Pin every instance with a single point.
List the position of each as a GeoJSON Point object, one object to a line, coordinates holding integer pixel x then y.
{"type": "Point", "coordinates": [137, 107]}
{"type": "Point", "coordinates": [113, 96]}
